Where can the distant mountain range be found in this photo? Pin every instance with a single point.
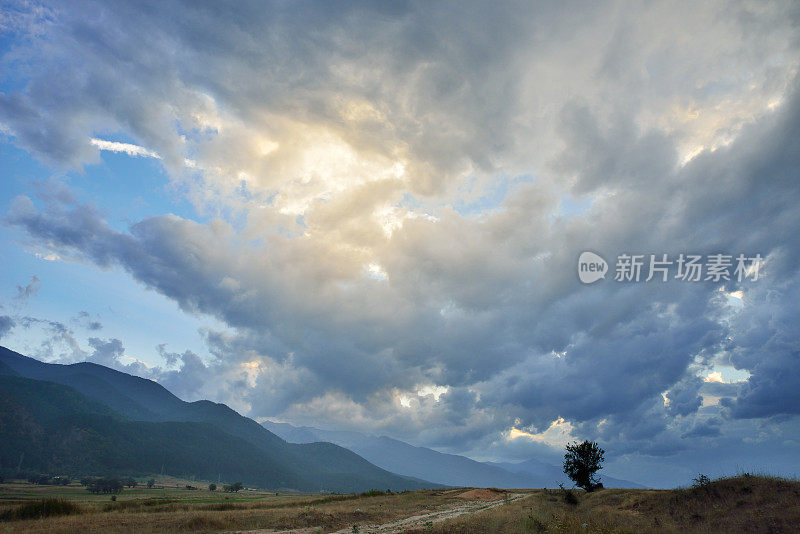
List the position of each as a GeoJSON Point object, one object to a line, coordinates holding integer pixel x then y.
{"type": "Point", "coordinates": [86, 419]}
{"type": "Point", "coordinates": [449, 469]}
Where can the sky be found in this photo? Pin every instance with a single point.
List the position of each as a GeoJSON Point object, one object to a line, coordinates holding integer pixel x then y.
{"type": "Point", "coordinates": [369, 216]}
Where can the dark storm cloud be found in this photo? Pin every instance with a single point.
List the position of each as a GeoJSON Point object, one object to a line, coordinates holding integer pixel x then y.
{"type": "Point", "coordinates": [596, 106]}
{"type": "Point", "coordinates": [642, 337]}
{"type": "Point", "coordinates": [767, 345]}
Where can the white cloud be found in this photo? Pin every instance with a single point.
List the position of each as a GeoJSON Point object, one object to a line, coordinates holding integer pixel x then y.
{"type": "Point", "coordinates": [125, 148]}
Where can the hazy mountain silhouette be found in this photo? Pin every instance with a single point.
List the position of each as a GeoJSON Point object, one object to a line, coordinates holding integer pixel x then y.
{"type": "Point", "coordinates": [107, 421]}
{"type": "Point", "coordinates": [539, 469]}
{"type": "Point", "coordinates": [450, 469]}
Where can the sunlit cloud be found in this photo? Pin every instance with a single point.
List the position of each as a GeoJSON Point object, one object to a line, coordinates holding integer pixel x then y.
{"type": "Point", "coordinates": [387, 240]}
{"type": "Point", "coordinates": [558, 433]}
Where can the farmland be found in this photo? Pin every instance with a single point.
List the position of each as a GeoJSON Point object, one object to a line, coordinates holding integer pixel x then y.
{"type": "Point", "coordinates": [738, 504]}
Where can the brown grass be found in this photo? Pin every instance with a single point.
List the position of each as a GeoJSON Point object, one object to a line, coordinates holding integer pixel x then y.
{"type": "Point", "coordinates": [738, 504]}
{"type": "Point", "coordinates": [163, 512]}
{"type": "Point", "coordinates": [488, 494]}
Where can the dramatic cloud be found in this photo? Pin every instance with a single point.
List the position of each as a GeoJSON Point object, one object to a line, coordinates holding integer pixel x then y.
{"type": "Point", "coordinates": [392, 199]}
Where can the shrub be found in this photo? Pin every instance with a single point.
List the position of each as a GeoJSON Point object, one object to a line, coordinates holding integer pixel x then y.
{"type": "Point", "coordinates": [701, 481]}
{"type": "Point", "coordinates": [212, 487]}
{"type": "Point", "coordinates": [568, 495]}
{"type": "Point", "coordinates": [534, 523]}
{"type": "Point", "coordinates": [43, 508]}
{"type": "Point", "coordinates": [233, 488]}
{"type": "Point", "coordinates": [105, 485]}
{"type": "Point", "coordinates": [151, 483]}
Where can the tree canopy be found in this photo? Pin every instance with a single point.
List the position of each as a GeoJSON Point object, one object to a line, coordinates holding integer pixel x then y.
{"type": "Point", "coordinates": [581, 462]}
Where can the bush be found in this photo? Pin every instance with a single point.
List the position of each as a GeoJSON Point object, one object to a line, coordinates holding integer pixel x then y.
{"type": "Point", "coordinates": [212, 487]}
{"type": "Point", "coordinates": [232, 488]}
{"type": "Point", "coordinates": [568, 495]}
{"type": "Point", "coordinates": [151, 483]}
{"type": "Point", "coordinates": [534, 523]}
{"type": "Point", "coordinates": [105, 485]}
{"type": "Point", "coordinates": [700, 481]}
{"type": "Point", "coordinates": [43, 508]}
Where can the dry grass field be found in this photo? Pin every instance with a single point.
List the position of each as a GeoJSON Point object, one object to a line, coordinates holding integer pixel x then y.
{"type": "Point", "coordinates": [743, 503]}
{"type": "Point", "coordinates": [738, 504]}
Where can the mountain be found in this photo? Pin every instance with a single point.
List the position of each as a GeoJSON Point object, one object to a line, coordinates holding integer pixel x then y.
{"type": "Point", "coordinates": [89, 419]}
{"type": "Point", "coordinates": [450, 469]}
{"type": "Point", "coordinates": [391, 454]}
{"type": "Point", "coordinates": [137, 398]}
{"type": "Point", "coordinates": [51, 428]}
{"type": "Point", "coordinates": [536, 468]}
{"type": "Point", "coordinates": [6, 370]}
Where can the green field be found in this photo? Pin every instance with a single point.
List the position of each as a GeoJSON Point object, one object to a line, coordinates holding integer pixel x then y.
{"type": "Point", "coordinates": [169, 506]}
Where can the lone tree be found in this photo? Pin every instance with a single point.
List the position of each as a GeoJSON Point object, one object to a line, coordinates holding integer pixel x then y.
{"type": "Point", "coordinates": [581, 462]}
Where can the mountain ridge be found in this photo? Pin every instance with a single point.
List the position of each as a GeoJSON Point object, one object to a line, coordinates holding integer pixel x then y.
{"type": "Point", "coordinates": [133, 399]}
{"type": "Point", "coordinates": [449, 469]}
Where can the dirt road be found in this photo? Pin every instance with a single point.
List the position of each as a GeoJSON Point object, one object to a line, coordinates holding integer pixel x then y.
{"type": "Point", "coordinates": [421, 520]}
{"type": "Point", "coordinates": [415, 521]}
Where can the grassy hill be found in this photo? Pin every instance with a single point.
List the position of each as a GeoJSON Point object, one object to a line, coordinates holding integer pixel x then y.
{"type": "Point", "coordinates": [108, 422]}
{"type": "Point", "coordinates": [743, 503]}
